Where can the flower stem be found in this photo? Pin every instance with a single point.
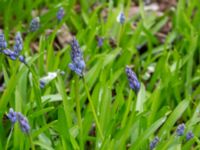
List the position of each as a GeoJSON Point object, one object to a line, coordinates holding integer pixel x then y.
{"type": "Point", "coordinates": [31, 142]}
{"type": "Point", "coordinates": [127, 109]}
{"type": "Point", "coordinates": [9, 137]}
{"type": "Point", "coordinates": [78, 112]}
{"type": "Point", "coordinates": [93, 110]}
{"type": "Point", "coordinates": [119, 35]}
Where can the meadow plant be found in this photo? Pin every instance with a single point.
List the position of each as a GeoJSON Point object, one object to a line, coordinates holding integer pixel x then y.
{"type": "Point", "coordinates": [95, 111]}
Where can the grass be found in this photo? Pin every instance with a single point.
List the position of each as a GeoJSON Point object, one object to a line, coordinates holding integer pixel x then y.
{"type": "Point", "coordinates": [100, 111]}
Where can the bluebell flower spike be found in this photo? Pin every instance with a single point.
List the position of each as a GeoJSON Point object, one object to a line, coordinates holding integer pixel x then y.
{"type": "Point", "coordinates": [12, 116]}
{"type": "Point", "coordinates": [18, 44]}
{"type": "Point", "coordinates": [22, 59]}
{"type": "Point", "coordinates": [78, 64]}
{"type": "Point", "coordinates": [154, 143]}
{"type": "Point", "coordinates": [60, 14]}
{"type": "Point", "coordinates": [133, 80]}
{"type": "Point", "coordinates": [11, 54]}
{"type": "Point", "coordinates": [100, 42]}
{"type": "Point", "coordinates": [23, 122]}
{"type": "Point", "coordinates": [3, 43]}
{"type": "Point", "coordinates": [35, 24]}
{"type": "Point", "coordinates": [189, 135]}
{"type": "Point", "coordinates": [180, 129]}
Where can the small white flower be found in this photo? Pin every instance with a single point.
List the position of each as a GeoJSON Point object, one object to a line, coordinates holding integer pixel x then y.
{"type": "Point", "coordinates": [50, 76]}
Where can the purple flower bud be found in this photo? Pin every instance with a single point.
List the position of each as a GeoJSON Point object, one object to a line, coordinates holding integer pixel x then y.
{"type": "Point", "coordinates": [60, 13]}
{"type": "Point", "coordinates": [3, 43]}
{"type": "Point", "coordinates": [180, 129]}
{"type": "Point", "coordinates": [189, 135]}
{"type": "Point", "coordinates": [42, 84]}
{"type": "Point", "coordinates": [78, 63]}
{"type": "Point", "coordinates": [133, 81]}
{"type": "Point", "coordinates": [121, 18]}
{"type": "Point", "coordinates": [18, 44]}
{"type": "Point", "coordinates": [100, 41]}
{"type": "Point", "coordinates": [35, 24]}
{"type": "Point", "coordinates": [62, 73]}
{"type": "Point", "coordinates": [154, 143]}
{"type": "Point", "coordinates": [22, 59]}
{"type": "Point", "coordinates": [23, 122]}
{"type": "Point", "coordinates": [12, 116]}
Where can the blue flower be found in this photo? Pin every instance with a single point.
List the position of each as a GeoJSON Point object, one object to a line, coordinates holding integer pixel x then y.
{"type": "Point", "coordinates": [22, 59]}
{"type": "Point", "coordinates": [42, 84]}
{"type": "Point", "coordinates": [154, 143]}
{"type": "Point", "coordinates": [100, 41]}
{"type": "Point", "coordinates": [23, 122]}
{"type": "Point", "coordinates": [133, 81]}
{"type": "Point", "coordinates": [189, 135]}
{"type": "Point", "coordinates": [3, 43]}
{"type": "Point", "coordinates": [180, 129]}
{"type": "Point", "coordinates": [12, 116]}
{"type": "Point", "coordinates": [121, 18]}
{"type": "Point", "coordinates": [11, 54]}
{"type": "Point", "coordinates": [35, 24]}
{"type": "Point", "coordinates": [78, 64]}
{"type": "Point", "coordinates": [60, 13]}
{"type": "Point", "coordinates": [18, 43]}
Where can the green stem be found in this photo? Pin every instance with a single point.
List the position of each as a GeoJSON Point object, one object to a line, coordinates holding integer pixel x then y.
{"type": "Point", "coordinates": [197, 140]}
{"type": "Point", "coordinates": [93, 110]}
{"type": "Point", "coordinates": [78, 112]}
{"type": "Point", "coordinates": [9, 137]}
{"type": "Point", "coordinates": [169, 142]}
{"type": "Point", "coordinates": [119, 35]}
{"type": "Point", "coordinates": [127, 109]}
{"type": "Point", "coordinates": [31, 142]}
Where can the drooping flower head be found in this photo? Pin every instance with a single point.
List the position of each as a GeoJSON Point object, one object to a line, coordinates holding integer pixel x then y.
{"type": "Point", "coordinates": [154, 143]}
{"type": "Point", "coordinates": [180, 129]}
{"type": "Point", "coordinates": [12, 116]}
{"type": "Point", "coordinates": [11, 54]}
{"type": "Point", "coordinates": [121, 18]}
{"type": "Point", "coordinates": [3, 43]}
{"type": "Point", "coordinates": [35, 24]}
{"type": "Point", "coordinates": [18, 43]}
{"type": "Point", "coordinates": [23, 122]}
{"type": "Point", "coordinates": [78, 64]}
{"type": "Point", "coordinates": [189, 135]}
{"type": "Point", "coordinates": [60, 13]}
{"type": "Point", "coordinates": [133, 81]}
